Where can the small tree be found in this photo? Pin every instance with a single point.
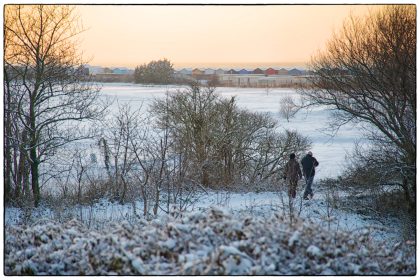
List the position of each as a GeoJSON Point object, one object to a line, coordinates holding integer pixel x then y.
{"type": "Point", "coordinates": [288, 108]}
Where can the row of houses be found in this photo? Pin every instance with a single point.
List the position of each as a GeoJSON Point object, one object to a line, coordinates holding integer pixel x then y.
{"type": "Point", "coordinates": [260, 80]}
{"type": "Point", "coordinates": [258, 71]}
{"type": "Point", "coordinates": [270, 77]}
{"type": "Point", "coordinates": [258, 77]}
{"type": "Point", "coordinates": [98, 70]}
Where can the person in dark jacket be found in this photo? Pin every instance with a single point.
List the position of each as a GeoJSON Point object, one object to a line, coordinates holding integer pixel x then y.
{"type": "Point", "coordinates": [292, 173]}
{"type": "Point", "coordinates": [308, 165]}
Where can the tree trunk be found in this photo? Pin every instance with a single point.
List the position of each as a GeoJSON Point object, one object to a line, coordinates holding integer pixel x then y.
{"type": "Point", "coordinates": [124, 191]}
{"type": "Point", "coordinates": [144, 202]}
{"type": "Point", "coordinates": [409, 196]}
{"type": "Point", "coordinates": [35, 175]}
{"type": "Point", "coordinates": [22, 176]}
{"type": "Point", "coordinates": [7, 143]}
{"type": "Point", "coordinates": [8, 169]}
{"type": "Point", "coordinates": [156, 206]}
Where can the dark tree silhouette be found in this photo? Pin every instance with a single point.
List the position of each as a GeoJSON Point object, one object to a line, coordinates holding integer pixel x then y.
{"type": "Point", "coordinates": [368, 75]}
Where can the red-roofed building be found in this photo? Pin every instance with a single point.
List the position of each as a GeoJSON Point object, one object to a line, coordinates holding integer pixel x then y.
{"type": "Point", "coordinates": [271, 71]}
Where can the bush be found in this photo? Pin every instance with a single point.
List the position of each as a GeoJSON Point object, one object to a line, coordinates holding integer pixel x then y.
{"type": "Point", "coordinates": [209, 243]}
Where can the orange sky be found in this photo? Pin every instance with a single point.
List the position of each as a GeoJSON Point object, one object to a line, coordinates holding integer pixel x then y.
{"type": "Point", "coordinates": [209, 35]}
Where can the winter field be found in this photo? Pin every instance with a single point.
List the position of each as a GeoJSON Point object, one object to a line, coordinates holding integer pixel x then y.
{"type": "Point", "coordinates": [234, 233]}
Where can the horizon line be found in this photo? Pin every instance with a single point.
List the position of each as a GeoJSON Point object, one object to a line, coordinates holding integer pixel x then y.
{"type": "Point", "coordinates": [217, 64]}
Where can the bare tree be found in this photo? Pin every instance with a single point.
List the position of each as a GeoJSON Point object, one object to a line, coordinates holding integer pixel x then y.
{"type": "Point", "coordinates": [288, 108]}
{"type": "Point", "coordinates": [51, 92]}
{"type": "Point", "coordinates": [189, 115]}
{"type": "Point", "coordinates": [221, 143]}
{"type": "Point", "coordinates": [368, 75]}
{"type": "Point", "coordinates": [121, 141]}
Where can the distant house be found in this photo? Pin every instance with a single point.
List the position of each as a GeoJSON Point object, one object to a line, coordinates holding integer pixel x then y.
{"type": "Point", "coordinates": [209, 71]}
{"type": "Point", "coordinates": [93, 70]}
{"type": "Point", "coordinates": [282, 71]}
{"type": "Point", "coordinates": [243, 71]}
{"type": "Point", "coordinates": [232, 71]}
{"type": "Point", "coordinates": [119, 71]}
{"type": "Point", "coordinates": [295, 72]}
{"type": "Point", "coordinates": [185, 71]}
{"type": "Point", "coordinates": [270, 71]}
{"type": "Point", "coordinates": [258, 71]}
{"type": "Point", "coordinates": [220, 71]}
{"type": "Point", "coordinates": [197, 72]}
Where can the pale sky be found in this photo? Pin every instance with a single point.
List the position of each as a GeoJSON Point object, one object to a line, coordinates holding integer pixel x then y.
{"type": "Point", "coordinates": [209, 35]}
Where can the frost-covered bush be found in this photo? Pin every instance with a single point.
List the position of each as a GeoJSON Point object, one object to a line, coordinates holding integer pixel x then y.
{"type": "Point", "coordinates": [201, 243]}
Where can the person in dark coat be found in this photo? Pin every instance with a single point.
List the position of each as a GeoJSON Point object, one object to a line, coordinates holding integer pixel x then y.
{"type": "Point", "coordinates": [292, 173]}
{"type": "Point", "coordinates": [308, 165]}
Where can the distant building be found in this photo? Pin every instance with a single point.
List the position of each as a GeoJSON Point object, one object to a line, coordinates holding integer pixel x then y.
{"type": "Point", "coordinates": [185, 71]}
{"type": "Point", "coordinates": [243, 71]}
{"type": "Point", "coordinates": [260, 80]}
{"type": "Point", "coordinates": [232, 71]}
{"type": "Point", "coordinates": [270, 71]}
{"type": "Point", "coordinates": [295, 72]}
{"type": "Point", "coordinates": [120, 71]}
{"type": "Point", "coordinates": [282, 71]}
{"type": "Point", "coordinates": [93, 70]}
{"type": "Point", "coordinates": [197, 72]}
{"type": "Point", "coordinates": [220, 71]}
{"type": "Point", "coordinates": [209, 71]}
{"type": "Point", "coordinates": [258, 71]}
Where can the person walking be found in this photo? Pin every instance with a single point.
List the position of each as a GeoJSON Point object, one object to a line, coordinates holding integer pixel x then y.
{"type": "Point", "coordinates": [308, 165]}
{"type": "Point", "coordinates": [292, 173]}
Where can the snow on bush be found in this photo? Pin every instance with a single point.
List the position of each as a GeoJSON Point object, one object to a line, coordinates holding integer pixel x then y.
{"type": "Point", "coordinates": [209, 243]}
